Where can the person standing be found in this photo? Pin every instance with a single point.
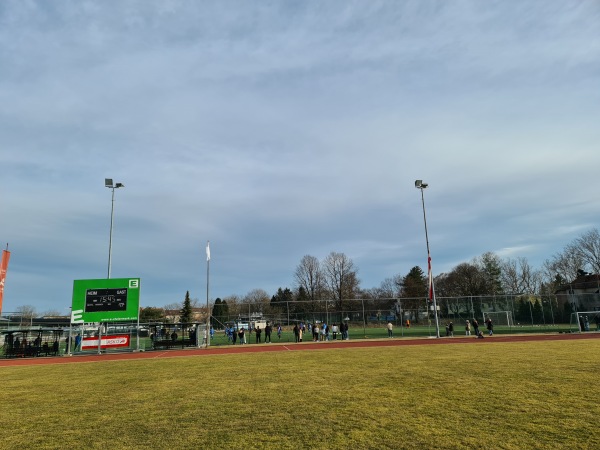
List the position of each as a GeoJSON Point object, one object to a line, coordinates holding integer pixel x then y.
{"type": "Point", "coordinates": [468, 328]}
{"type": "Point", "coordinates": [297, 333]}
{"type": "Point", "coordinates": [476, 327]}
{"type": "Point", "coordinates": [390, 330]}
{"type": "Point", "coordinates": [334, 331]}
{"type": "Point", "coordinates": [78, 342]}
{"type": "Point", "coordinates": [451, 329]}
{"type": "Point", "coordinates": [490, 326]}
{"type": "Point", "coordinates": [279, 332]}
{"type": "Point", "coordinates": [258, 332]}
{"type": "Point", "coordinates": [268, 333]}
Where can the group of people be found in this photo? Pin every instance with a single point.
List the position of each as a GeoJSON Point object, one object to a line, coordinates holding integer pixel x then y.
{"type": "Point", "coordinates": [24, 347]}
{"type": "Point", "coordinates": [240, 335]}
{"type": "Point", "coordinates": [472, 325]}
{"type": "Point", "coordinates": [321, 332]}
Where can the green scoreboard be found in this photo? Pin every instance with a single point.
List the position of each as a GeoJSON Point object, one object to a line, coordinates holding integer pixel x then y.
{"type": "Point", "coordinates": [105, 300]}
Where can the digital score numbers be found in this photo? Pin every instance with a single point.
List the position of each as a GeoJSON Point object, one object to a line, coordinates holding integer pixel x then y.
{"type": "Point", "coordinates": [98, 300]}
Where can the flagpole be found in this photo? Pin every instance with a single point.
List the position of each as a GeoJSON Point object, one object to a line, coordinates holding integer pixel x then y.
{"type": "Point", "coordinates": [420, 185]}
{"type": "Point", "coordinates": [207, 292]}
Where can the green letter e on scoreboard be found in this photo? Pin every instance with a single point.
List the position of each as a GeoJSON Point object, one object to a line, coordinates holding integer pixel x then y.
{"type": "Point", "coordinates": [105, 300]}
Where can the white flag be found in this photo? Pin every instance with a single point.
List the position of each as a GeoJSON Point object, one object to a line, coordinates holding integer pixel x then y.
{"type": "Point", "coordinates": [208, 250]}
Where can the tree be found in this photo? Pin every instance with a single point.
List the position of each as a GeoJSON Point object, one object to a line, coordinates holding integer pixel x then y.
{"type": "Point", "coordinates": [308, 275]}
{"type": "Point", "coordinates": [151, 314]}
{"type": "Point", "coordinates": [340, 277]}
{"type": "Point", "coordinates": [587, 248]}
{"type": "Point", "coordinates": [490, 266]}
{"type": "Point", "coordinates": [281, 299]}
{"type": "Point", "coordinates": [519, 277]}
{"type": "Point", "coordinates": [186, 313]}
{"type": "Point", "coordinates": [27, 313]}
{"type": "Point", "coordinates": [220, 312]}
{"type": "Point", "coordinates": [414, 284]}
{"type": "Point", "coordinates": [259, 299]}
{"type": "Point", "coordinates": [564, 265]}
{"type": "Point", "coordinates": [413, 290]}
{"type": "Point", "coordinates": [464, 280]}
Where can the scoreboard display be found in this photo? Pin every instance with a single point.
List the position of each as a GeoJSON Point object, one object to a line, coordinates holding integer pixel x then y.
{"type": "Point", "coordinates": [105, 300]}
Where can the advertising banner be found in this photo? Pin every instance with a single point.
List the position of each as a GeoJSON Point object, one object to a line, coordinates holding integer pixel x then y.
{"type": "Point", "coordinates": [3, 269]}
{"type": "Point", "coordinates": [90, 343]}
{"type": "Point", "coordinates": [105, 300]}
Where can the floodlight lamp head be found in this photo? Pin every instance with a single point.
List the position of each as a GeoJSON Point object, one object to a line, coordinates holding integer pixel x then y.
{"type": "Point", "coordinates": [119, 185]}
{"type": "Point", "coordinates": [420, 185]}
{"type": "Point", "coordinates": [108, 182]}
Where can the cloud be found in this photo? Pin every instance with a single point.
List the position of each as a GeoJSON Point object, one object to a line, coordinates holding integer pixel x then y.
{"type": "Point", "coordinates": [279, 130]}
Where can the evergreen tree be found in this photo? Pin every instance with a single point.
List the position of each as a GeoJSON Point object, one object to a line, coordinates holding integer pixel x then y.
{"type": "Point", "coordinates": [185, 315]}
{"type": "Point", "coordinates": [220, 312]}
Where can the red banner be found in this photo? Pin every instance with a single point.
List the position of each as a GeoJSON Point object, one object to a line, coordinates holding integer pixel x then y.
{"type": "Point", "coordinates": [113, 341]}
{"type": "Point", "coordinates": [3, 269]}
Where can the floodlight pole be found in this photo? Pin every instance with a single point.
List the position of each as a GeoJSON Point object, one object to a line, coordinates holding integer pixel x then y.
{"type": "Point", "coordinates": [109, 184]}
{"type": "Point", "coordinates": [207, 293]}
{"type": "Point", "coordinates": [420, 185]}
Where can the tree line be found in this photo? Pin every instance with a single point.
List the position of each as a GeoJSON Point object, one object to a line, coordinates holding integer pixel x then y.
{"type": "Point", "coordinates": [333, 283]}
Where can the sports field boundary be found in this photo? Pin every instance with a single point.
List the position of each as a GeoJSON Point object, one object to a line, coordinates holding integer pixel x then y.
{"type": "Point", "coordinates": [293, 347]}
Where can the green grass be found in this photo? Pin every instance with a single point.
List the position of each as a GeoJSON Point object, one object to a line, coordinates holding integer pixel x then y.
{"type": "Point", "coordinates": [489, 395]}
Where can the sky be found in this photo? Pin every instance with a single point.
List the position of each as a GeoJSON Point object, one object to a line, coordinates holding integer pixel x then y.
{"type": "Point", "coordinates": [282, 129]}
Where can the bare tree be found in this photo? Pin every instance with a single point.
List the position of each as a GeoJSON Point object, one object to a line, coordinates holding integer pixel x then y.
{"type": "Point", "coordinates": [587, 247]}
{"type": "Point", "coordinates": [518, 277]}
{"type": "Point", "coordinates": [340, 277]}
{"type": "Point", "coordinates": [27, 313]}
{"type": "Point", "coordinates": [565, 265]}
{"type": "Point", "coordinates": [308, 276]}
{"type": "Point", "coordinates": [259, 299]}
{"type": "Point", "coordinates": [234, 302]}
{"type": "Point", "coordinates": [466, 279]}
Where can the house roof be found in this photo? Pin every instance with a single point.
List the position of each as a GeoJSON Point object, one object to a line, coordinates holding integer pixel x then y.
{"type": "Point", "coordinates": [583, 282]}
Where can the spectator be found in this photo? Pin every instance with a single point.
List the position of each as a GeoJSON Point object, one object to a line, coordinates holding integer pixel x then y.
{"type": "Point", "coordinates": [390, 330]}
{"type": "Point", "coordinates": [258, 332]}
{"type": "Point", "coordinates": [476, 327]}
{"type": "Point", "coordinates": [468, 328]}
{"type": "Point", "coordinates": [297, 333]}
{"type": "Point", "coordinates": [490, 326]}
{"type": "Point", "coordinates": [451, 329]}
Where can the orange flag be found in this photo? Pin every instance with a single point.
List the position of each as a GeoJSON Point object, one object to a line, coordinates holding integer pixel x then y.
{"type": "Point", "coordinates": [3, 269]}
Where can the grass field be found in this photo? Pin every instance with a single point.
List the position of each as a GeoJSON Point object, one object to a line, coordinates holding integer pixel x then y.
{"type": "Point", "coordinates": [491, 395]}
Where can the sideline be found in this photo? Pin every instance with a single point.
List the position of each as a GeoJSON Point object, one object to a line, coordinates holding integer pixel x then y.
{"type": "Point", "coordinates": [286, 347]}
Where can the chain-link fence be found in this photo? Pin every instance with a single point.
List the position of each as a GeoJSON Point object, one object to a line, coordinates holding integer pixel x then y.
{"type": "Point", "coordinates": [367, 318]}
